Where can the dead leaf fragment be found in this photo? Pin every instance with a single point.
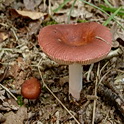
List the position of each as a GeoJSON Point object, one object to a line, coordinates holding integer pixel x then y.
{"type": "Point", "coordinates": [34, 27]}
{"type": "Point", "coordinates": [64, 80]}
{"type": "Point", "coordinates": [18, 118]}
{"type": "Point", "coordinates": [31, 4]}
{"type": "Point", "coordinates": [2, 92]}
{"type": "Point", "coordinates": [14, 70]}
{"type": "Point", "coordinates": [29, 14]}
{"type": "Point", "coordinates": [8, 2]}
{"type": "Point", "coordinates": [9, 104]}
{"type": "Point", "coordinates": [2, 119]}
{"type": "Point", "coordinates": [3, 36]}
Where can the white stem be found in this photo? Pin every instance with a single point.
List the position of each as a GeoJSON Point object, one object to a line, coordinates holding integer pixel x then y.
{"type": "Point", "coordinates": [75, 80]}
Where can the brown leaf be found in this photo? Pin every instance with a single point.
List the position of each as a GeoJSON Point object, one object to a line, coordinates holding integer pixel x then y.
{"type": "Point", "coordinates": [2, 119]}
{"type": "Point", "coordinates": [2, 92]}
{"type": "Point", "coordinates": [34, 27]}
{"type": "Point", "coordinates": [29, 14]}
{"type": "Point", "coordinates": [64, 80]}
{"type": "Point", "coordinates": [3, 36]}
{"type": "Point", "coordinates": [14, 70]}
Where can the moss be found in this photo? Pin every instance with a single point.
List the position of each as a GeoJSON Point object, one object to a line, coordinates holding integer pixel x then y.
{"type": "Point", "coordinates": [49, 22]}
{"type": "Point", "coordinates": [20, 100]}
{"type": "Point", "coordinates": [81, 21]}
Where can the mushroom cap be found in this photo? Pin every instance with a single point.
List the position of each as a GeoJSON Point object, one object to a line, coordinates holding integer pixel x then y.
{"type": "Point", "coordinates": [31, 88]}
{"type": "Point", "coordinates": [83, 43]}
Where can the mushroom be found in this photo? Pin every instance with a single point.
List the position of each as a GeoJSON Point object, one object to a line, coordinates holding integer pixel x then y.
{"type": "Point", "coordinates": [31, 88]}
{"type": "Point", "coordinates": [75, 45]}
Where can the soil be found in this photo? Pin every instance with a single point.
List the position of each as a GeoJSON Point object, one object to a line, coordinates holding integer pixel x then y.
{"type": "Point", "coordinates": [102, 96]}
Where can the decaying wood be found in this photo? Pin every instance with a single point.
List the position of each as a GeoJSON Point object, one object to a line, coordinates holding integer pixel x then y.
{"type": "Point", "coordinates": [111, 86]}
{"type": "Point", "coordinates": [111, 98]}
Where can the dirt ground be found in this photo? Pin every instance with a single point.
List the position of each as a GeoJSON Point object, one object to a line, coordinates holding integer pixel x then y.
{"type": "Point", "coordinates": [21, 58]}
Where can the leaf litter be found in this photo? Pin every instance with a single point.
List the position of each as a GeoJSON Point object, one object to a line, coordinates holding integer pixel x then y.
{"type": "Point", "coordinates": [20, 51]}
{"type": "Point", "coordinates": [28, 14]}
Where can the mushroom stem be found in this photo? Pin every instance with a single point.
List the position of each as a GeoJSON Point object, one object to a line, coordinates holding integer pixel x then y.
{"type": "Point", "coordinates": [75, 80]}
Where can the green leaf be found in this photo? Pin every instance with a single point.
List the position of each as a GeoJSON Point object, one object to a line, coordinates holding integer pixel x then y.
{"type": "Point", "coordinates": [107, 2]}
{"type": "Point", "coordinates": [112, 10]}
{"type": "Point", "coordinates": [103, 12]}
{"type": "Point", "coordinates": [94, 6]}
{"type": "Point", "coordinates": [72, 7]}
{"type": "Point", "coordinates": [20, 100]}
{"type": "Point", "coordinates": [111, 17]}
{"type": "Point", "coordinates": [81, 21]}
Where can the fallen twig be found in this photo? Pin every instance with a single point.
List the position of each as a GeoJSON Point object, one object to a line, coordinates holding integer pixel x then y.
{"type": "Point", "coordinates": [8, 91]}
{"type": "Point", "coordinates": [4, 75]}
{"type": "Point", "coordinates": [49, 9]}
{"type": "Point", "coordinates": [111, 98]}
{"type": "Point", "coordinates": [111, 86]}
{"type": "Point", "coordinates": [95, 100]}
{"type": "Point", "coordinates": [89, 72]}
{"type": "Point", "coordinates": [14, 34]}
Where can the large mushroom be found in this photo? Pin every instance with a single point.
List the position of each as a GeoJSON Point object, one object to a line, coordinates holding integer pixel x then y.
{"type": "Point", "coordinates": [75, 45]}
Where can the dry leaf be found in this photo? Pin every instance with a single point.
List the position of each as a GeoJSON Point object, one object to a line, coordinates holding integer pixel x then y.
{"type": "Point", "coordinates": [18, 118]}
{"type": "Point", "coordinates": [2, 119]}
{"type": "Point", "coordinates": [34, 27]}
{"type": "Point", "coordinates": [64, 80]}
{"type": "Point", "coordinates": [31, 4]}
{"type": "Point", "coordinates": [14, 70]}
{"type": "Point", "coordinates": [10, 104]}
{"type": "Point", "coordinates": [30, 14]}
{"type": "Point", "coordinates": [2, 92]}
{"type": "Point", "coordinates": [14, 105]}
{"type": "Point", "coordinates": [8, 2]}
{"type": "Point", "coordinates": [3, 36]}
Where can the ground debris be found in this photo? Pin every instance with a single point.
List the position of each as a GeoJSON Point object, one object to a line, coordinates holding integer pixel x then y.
{"type": "Point", "coordinates": [18, 118]}
{"type": "Point", "coordinates": [8, 105]}
{"type": "Point", "coordinates": [21, 56]}
{"type": "Point", "coordinates": [2, 92]}
{"type": "Point", "coordinates": [2, 119]}
{"type": "Point", "coordinates": [111, 98]}
{"type": "Point", "coordinates": [3, 36]}
{"type": "Point", "coordinates": [31, 4]}
{"type": "Point", "coordinates": [27, 14]}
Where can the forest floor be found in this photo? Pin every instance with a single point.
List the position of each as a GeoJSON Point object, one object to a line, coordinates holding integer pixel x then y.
{"type": "Point", "coordinates": [21, 58]}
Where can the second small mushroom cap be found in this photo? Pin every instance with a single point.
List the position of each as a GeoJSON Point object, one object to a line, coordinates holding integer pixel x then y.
{"type": "Point", "coordinates": [31, 88]}
{"type": "Point", "coordinates": [83, 43]}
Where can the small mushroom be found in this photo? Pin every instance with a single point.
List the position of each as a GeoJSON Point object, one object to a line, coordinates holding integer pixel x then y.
{"type": "Point", "coordinates": [76, 45]}
{"type": "Point", "coordinates": [31, 88]}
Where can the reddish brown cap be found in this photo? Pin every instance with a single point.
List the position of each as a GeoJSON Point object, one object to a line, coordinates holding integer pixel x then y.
{"type": "Point", "coordinates": [83, 43]}
{"type": "Point", "coordinates": [31, 88]}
